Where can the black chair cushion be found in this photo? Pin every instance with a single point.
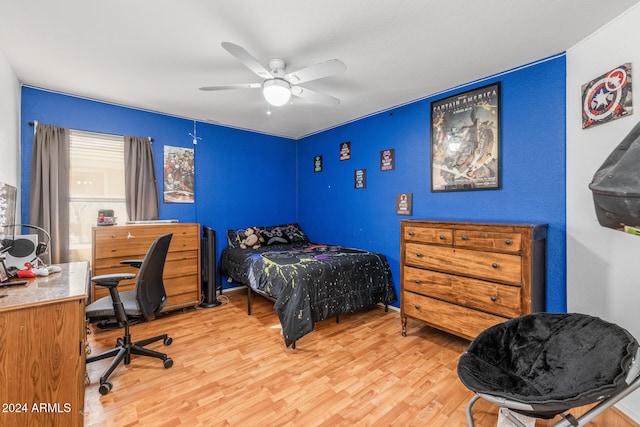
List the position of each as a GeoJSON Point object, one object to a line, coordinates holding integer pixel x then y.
{"type": "Point", "coordinates": [103, 307]}
{"type": "Point", "coordinates": [569, 359]}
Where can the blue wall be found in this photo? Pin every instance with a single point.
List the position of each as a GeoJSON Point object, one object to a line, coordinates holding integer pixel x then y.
{"type": "Point", "coordinates": [238, 184]}
{"type": "Point", "coordinates": [532, 178]}
{"type": "Point", "coordinates": [234, 182]}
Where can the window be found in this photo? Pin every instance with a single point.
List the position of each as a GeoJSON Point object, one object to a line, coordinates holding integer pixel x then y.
{"type": "Point", "coordinates": [96, 182]}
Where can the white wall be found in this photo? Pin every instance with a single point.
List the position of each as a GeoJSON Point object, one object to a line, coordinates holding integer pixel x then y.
{"type": "Point", "coordinates": [601, 275]}
{"type": "Point", "coordinates": [9, 124]}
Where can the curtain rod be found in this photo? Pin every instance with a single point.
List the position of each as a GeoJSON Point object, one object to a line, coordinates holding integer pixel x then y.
{"type": "Point", "coordinates": [35, 123]}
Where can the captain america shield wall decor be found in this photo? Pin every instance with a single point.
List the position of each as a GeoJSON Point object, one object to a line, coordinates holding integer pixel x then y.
{"type": "Point", "coordinates": [608, 97]}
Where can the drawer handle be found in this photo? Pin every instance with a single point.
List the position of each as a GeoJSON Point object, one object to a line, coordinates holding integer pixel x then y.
{"type": "Point", "coordinates": [465, 237]}
{"type": "Point", "coordinates": [508, 242]}
{"type": "Point", "coordinates": [441, 237]}
{"type": "Point", "coordinates": [494, 298]}
{"type": "Point", "coordinates": [419, 255]}
{"type": "Point", "coordinates": [417, 307]}
{"type": "Point", "coordinates": [418, 281]}
{"type": "Point", "coordinates": [410, 233]}
{"type": "Point", "coordinates": [494, 265]}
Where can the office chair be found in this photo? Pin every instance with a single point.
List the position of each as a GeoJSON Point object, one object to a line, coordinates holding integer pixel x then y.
{"type": "Point", "coordinates": [144, 303]}
{"type": "Point", "coordinates": [544, 364]}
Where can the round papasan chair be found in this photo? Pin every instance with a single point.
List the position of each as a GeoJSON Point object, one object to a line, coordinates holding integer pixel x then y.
{"type": "Point", "coordinates": [544, 364]}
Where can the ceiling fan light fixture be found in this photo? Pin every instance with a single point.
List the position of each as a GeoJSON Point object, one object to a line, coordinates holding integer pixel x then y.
{"type": "Point", "coordinates": [277, 92]}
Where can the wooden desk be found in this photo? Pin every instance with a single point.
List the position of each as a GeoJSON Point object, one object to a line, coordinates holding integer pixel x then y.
{"type": "Point", "coordinates": [42, 349]}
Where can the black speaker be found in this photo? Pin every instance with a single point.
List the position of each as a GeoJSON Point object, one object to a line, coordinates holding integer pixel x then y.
{"type": "Point", "coordinates": [209, 268]}
{"type": "Point", "coordinates": [23, 250]}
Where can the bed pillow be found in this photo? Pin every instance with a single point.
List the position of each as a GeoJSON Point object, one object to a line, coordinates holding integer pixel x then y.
{"type": "Point", "coordinates": [284, 233]}
{"type": "Point", "coordinates": [244, 238]}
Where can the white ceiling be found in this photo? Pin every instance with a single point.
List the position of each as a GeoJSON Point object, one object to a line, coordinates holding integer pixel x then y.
{"type": "Point", "coordinates": [155, 54]}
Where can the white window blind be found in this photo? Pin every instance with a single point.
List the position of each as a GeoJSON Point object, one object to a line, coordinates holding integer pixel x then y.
{"type": "Point", "coordinates": [96, 181]}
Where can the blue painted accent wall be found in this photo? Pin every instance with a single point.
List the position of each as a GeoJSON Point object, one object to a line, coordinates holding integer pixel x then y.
{"type": "Point", "coordinates": [241, 177]}
{"type": "Point", "coordinates": [245, 178]}
{"type": "Point", "coordinates": [533, 173]}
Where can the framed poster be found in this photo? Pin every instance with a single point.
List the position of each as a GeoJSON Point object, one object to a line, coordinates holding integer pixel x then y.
{"type": "Point", "coordinates": [465, 141]}
{"type": "Point", "coordinates": [607, 97]}
{"type": "Point", "coordinates": [345, 150]}
{"type": "Point", "coordinates": [387, 160]}
{"type": "Point", "coordinates": [360, 178]}
{"type": "Point", "coordinates": [317, 164]}
{"type": "Point", "coordinates": [179, 172]}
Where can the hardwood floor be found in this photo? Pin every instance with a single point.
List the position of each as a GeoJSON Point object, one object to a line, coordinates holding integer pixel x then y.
{"type": "Point", "coordinates": [231, 369]}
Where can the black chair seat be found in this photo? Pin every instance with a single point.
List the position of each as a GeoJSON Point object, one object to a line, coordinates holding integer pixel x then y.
{"type": "Point", "coordinates": [549, 362]}
{"type": "Point", "coordinates": [103, 307]}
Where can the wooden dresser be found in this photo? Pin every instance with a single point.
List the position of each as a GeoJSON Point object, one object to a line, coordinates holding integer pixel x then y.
{"type": "Point", "coordinates": [464, 277]}
{"type": "Point", "coordinates": [111, 244]}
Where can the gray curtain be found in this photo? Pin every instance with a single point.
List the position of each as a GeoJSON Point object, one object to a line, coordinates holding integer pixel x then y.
{"type": "Point", "coordinates": [49, 191]}
{"type": "Point", "coordinates": [141, 188]}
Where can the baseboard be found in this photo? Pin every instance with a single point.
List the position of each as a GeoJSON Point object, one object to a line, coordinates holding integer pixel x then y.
{"type": "Point", "coordinates": [624, 416]}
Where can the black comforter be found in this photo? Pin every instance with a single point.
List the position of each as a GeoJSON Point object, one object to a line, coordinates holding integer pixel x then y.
{"type": "Point", "coordinates": [311, 282]}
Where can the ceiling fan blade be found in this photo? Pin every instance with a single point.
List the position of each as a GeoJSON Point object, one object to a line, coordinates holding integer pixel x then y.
{"type": "Point", "coordinates": [249, 61]}
{"type": "Point", "coordinates": [238, 86]}
{"type": "Point", "coordinates": [314, 96]}
{"type": "Point", "coordinates": [317, 71]}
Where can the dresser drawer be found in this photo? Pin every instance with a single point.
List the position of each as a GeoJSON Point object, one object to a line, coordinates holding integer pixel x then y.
{"type": "Point", "coordinates": [462, 321]}
{"type": "Point", "coordinates": [441, 236]}
{"type": "Point", "coordinates": [477, 239]}
{"type": "Point", "coordinates": [185, 239]}
{"type": "Point", "coordinates": [122, 248]}
{"type": "Point", "coordinates": [121, 244]}
{"type": "Point", "coordinates": [177, 263]}
{"type": "Point", "coordinates": [503, 300]}
{"type": "Point", "coordinates": [503, 268]}
{"type": "Point", "coordinates": [182, 262]}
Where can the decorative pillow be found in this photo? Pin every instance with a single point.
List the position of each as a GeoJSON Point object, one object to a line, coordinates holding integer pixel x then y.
{"type": "Point", "coordinates": [245, 238]}
{"type": "Point", "coordinates": [284, 233]}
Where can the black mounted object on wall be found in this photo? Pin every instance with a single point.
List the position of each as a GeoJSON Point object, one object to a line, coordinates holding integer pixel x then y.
{"type": "Point", "coordinates": [209, 283]}
{"type": "Point", "coordinates": [616, 185]}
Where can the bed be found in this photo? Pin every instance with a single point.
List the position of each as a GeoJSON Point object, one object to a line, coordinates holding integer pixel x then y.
{"type": "Point", "coordinates": [308, 282]}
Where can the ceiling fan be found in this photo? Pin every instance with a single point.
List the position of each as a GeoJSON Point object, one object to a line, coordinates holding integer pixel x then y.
{"type": "Point", "coordinates": [278, 84]}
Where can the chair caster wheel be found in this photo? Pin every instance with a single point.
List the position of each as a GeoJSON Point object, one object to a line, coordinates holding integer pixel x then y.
{"type": "Point", "coordinates": [168, 363]}
{"type": "Point", "coordinates": [105, 388]}
{"type": "Point", "coordinates": [168, 341]}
